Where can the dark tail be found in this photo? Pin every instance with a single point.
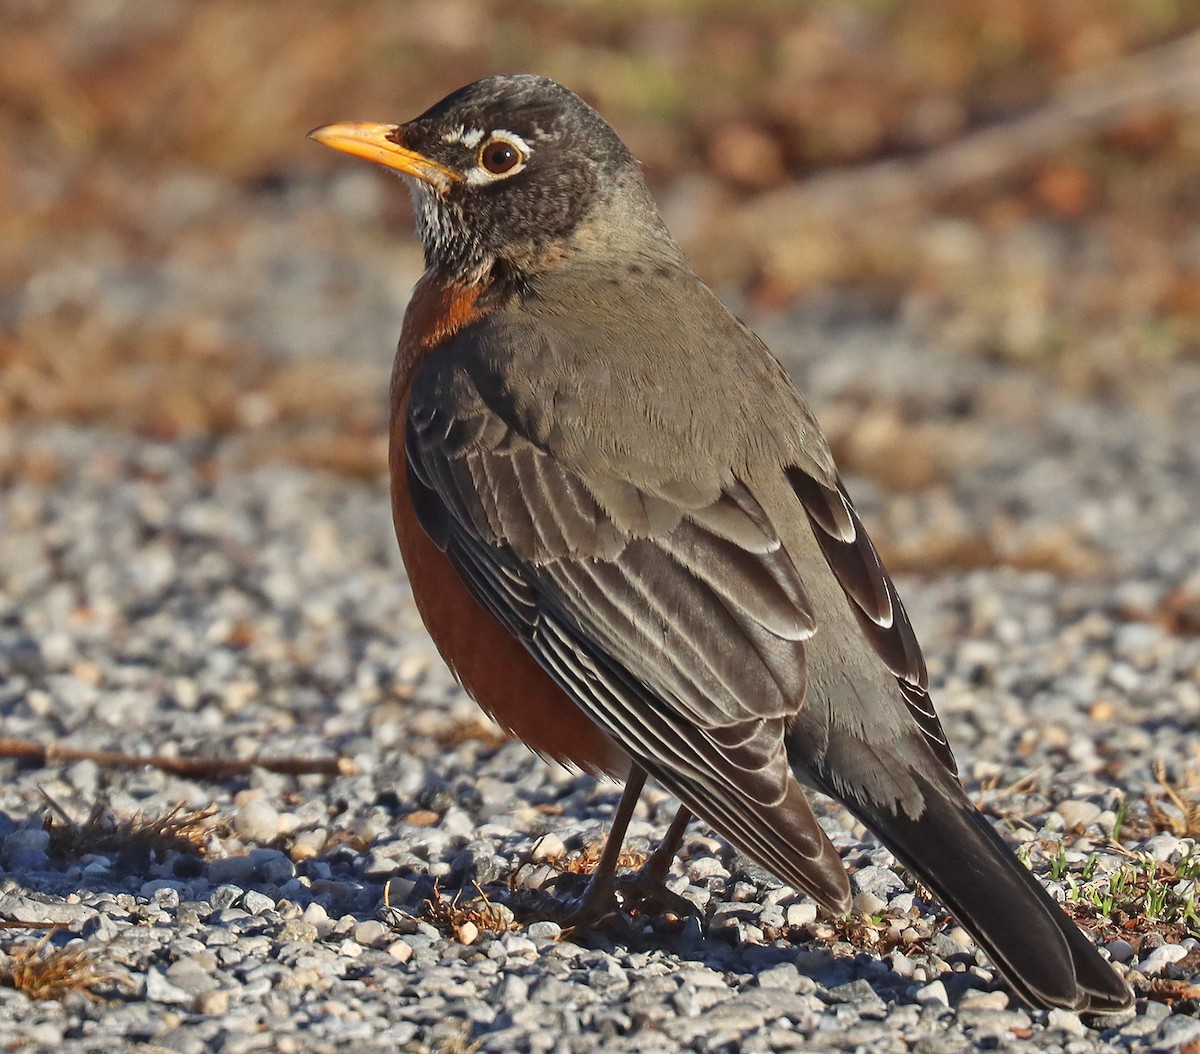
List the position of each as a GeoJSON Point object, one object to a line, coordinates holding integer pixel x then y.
{"type": "Point", "coordinates": [956, 853]}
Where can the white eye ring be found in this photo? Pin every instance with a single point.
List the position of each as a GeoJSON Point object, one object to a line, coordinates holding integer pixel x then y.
{"type": "Point", "coordinates": [501, 155]}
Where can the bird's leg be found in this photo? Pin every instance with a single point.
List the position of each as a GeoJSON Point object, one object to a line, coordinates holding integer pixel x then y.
{"type": "Point", "coordinates": [647, 889]}
{"type": "Point", "coordinates": [656, 868]}
{"type": "Point", "coordinates": [600, 897]}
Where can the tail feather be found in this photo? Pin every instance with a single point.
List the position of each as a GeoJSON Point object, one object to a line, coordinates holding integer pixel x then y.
{"type": "Point", "coordinates": [955, 851]}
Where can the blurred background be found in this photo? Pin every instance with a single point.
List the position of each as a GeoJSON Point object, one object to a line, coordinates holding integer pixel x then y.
{"type": "Point", "coordinates": [1011, 187]}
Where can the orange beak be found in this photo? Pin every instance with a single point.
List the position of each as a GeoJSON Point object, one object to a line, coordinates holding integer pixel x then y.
{"type": "Point", "coordinates": [381, 143]}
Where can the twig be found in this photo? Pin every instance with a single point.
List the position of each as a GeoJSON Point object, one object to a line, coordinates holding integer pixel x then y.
{"type": "Point", "coordinates": [192, 768]}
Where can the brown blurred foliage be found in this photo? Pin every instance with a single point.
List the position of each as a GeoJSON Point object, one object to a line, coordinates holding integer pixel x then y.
{"type": "Point", "coordinates": [1082, 260]}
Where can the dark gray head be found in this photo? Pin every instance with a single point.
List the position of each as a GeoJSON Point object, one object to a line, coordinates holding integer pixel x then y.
{"type": "Point", "coordinates": [510, 172]}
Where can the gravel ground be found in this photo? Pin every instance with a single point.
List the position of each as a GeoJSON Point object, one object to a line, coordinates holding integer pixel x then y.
{"type": "Point", "coordinates": [176, 597]}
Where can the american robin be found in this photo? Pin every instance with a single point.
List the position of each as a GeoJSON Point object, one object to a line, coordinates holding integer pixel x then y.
{"type": "Point", "coordinates": [628, 538]}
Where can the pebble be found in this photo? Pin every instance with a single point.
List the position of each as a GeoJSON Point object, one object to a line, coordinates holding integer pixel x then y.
{"type": "Point", "coordinates": [544, 931]}
{"type": "Point", "coordinates": [784, 975]}
{"type": "Point", "coordinates": [1066, 1021]}
{"type": "Point", "coordinates": [25, 849]}
{"type": "Point", "coordinates": [548, 847]}
{"type": "Point", "coordinates": [1162, 846]}
{"type": "Point", "coordinates": [1162, 957]}
{"type": "Point", "coordinates": [934, 992]}
{"type": "Point", "coordinates": [880, 882]}
{"type": "Point", "coordinates": [1077, 813]}
{"type": "Point", "coordinates": [902, 964]}
{"type": "Point", "coordinates": [984, 1001]}
{"type": "Point", "coordinates": [801, 915]}
{"type": "Point", "coordinates": [257, 821]}
{"type": "Point", "coordinates": [371, 933]}
{"type": "Point", "coordinates": [299, 931]}
{"type": "Point", "coordinates": [193, 975]}
{"type": "Point", "coordinates": [308, 844]}
{"type": "Point", "coordinates": [1120, 950]}
{"type": "Point", "coordinates": [400, 950]}
{"type": "Point", "coordinates": [467, 933]}
{"type": "Point", "coordinates": [161, 990]}
{"type": "Point", "coordinates": [867, 903]}
{"type": "Point", "coordinates": [257, 903]}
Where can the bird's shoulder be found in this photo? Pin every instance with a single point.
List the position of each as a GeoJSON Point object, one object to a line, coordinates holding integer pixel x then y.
{"type": "Point", "coordinates": [636, 370]}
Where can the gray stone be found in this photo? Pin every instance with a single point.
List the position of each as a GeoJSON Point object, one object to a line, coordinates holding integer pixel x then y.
{"type": "Point", "coordinates": [257, 821]}
{"type": "Point", "coordinates": [160, 990]}
{"type": "Point", "coordinates": [934, 992]}
{"type": "Point", "coordinates": [543, 931]}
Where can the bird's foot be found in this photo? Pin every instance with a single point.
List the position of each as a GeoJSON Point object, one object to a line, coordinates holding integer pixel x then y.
{"type": "Point", "coordinates": [609, 905]}
{"type": "Point", "coordinates": [645, 892]}
{"type": "Point", "coordinates": [597, 905]}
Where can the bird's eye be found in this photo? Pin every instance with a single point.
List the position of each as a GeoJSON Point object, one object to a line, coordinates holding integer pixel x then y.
{"type": "Point", "coordinates": [499, 157]}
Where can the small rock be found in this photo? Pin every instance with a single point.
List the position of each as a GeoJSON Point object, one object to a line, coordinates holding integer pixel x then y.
{"type": "Point", "coordinates": [315, 914]}
{"type": "Point", "coordinates": [25, 849]}
{"type": "Point", "coordinates": [271, 866]}
{"type": "Point", "coordinates": [257, 821]}
{"type": "Point", "coordinates": [378, 866]}
{"type": "Point", "coordinates": [1066, 1021]}
{"type": "Point", "coordinates": [934, 992]}
{"type": "Point", "coordinates": [307, 844]}
{"type": "Point", "coordinates": [226, 895]}
{"type": "Point", "coordinates": [783, 975]}
{"type": "Point", "coordinates": [944, 946]}
{"type": "Point", "coordinates": [1078, 813]}
{"type": "Point", "coordinates": [548, 847]}
{"type": "Point", "coordinates": [544, 931]}
{"type": "Point", "coordinates": [867, 903]}
{"type": "Point", "coordinates": [213, 1004]}
{"type": "Point", "coordinates": [772, 918]}
{"type": "Point", "coordinates": [371, 933]}
{"type": "Point", "coordinates": [800, 915]}
{"type": "Point", "coordinates": [163, 891]}
{"type": "Point", "coordinates": [743, 892]}
{"type": "Point", "coordinates": [1120, 950]}
{"type": "Point", "coordinates": [882, 881]}
{"type": "Point", "coordinates": [1162, 846]}
{"type": "Point", "coordinates": [858, 994]}
{"type": "Point", "coordinates": [705, 868]}
{"type": "Point", "coordinates": [984, 1001]}
{"type": "Point", "coordinates": [468, 933]}
{"type": "Point", "coordinates": [193, 975]}
{"type": "Point", "coordinates": [257, 903]}
{"type": "Point", "coordinates": [960, 937]}
{"type": "Point", "coordinates": [299, 931]}
{"type": "Point", "coordinates": [514, 944]}
{"type": "Point", "coordinates": [160, 990]}
{"type": "Point", "coordinates": [1162, 957]}
{"type": "Point", "coordinates": [400, 950]}
{"type": "Point", "coordinates": [399, 890]}
{"type": "Point", "coordinates": [513, 991]}
{"type": "Point", "coordinates": [457, 821]}
{"type": "Point", "coordinates": [17, 908]}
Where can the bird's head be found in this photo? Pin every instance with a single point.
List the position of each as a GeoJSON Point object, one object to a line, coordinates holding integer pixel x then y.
{"type": "Point", "coordinates": [510, 172]}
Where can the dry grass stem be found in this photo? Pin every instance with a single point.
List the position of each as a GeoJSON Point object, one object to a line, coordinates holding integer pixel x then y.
{"type": "Point", "coordinates": [584, 861]}
{"type": "Point", "coordinates": [466, 921]}
{"type": "Point", "coordinates": [181, 830]}
{"type": "Point", "coordinates": [42, 972]}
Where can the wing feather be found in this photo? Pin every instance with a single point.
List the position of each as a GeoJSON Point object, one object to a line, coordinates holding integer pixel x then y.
{"type": "Point", "coordinates": [881, 615]}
